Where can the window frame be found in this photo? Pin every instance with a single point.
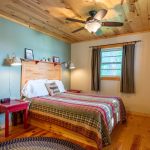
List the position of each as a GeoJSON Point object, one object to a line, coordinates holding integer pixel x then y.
{"type": "Point", "coordinates": [117, 78]}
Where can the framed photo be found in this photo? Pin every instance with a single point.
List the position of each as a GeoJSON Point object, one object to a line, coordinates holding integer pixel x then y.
{"type": "Point", "coordinates": [56, 59]}
{"type": "Point", "coordinates": [29, 54]}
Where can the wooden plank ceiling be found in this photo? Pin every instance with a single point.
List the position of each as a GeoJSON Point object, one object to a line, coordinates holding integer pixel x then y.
{"type": "Point", "coordinates": [48, 16]}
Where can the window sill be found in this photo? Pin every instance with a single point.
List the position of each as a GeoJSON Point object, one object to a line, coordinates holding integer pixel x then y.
{"type": "Point", "coordinates": [111, 78]}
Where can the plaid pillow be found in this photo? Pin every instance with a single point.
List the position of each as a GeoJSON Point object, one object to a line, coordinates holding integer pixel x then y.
{"type": "Point", "coordinates": [52, 88]}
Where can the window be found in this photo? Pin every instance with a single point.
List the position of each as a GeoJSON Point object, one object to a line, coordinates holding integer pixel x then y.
{"type": "Point", "coordinates": [111, 62]}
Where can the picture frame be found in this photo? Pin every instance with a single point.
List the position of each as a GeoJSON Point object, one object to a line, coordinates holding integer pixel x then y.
{"type": "Point", "coordinates": [29, 54]}
{"type": "Point", "coordinates": [56, 59]}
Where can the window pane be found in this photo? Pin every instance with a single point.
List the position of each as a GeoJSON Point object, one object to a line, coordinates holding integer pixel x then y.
{"type": "Point", "coordinates": [111, 66]}
{"type": "Point", "coordinates": [111, 52]}
{"type": "Point", "coordinates": [111, 59]}
{"type": "Point", "coordinates": [110, 73]}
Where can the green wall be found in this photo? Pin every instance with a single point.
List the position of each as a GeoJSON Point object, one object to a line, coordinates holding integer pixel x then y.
{"type": "Point", "coordinates": [14, 38]}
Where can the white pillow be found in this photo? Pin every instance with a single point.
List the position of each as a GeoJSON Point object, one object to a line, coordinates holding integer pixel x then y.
{"type": "Point", "coordinates": [59, 84]}
{"type": "Point", "coordinates": [27, 90]}
{"type": "Point", "coordinates": [35, 88]}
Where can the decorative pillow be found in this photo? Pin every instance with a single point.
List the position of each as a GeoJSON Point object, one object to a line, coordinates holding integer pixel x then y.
{"type": "Point", "coordinates": [59, 84]}
{"type": "Point", "coordinates": [52, 88]}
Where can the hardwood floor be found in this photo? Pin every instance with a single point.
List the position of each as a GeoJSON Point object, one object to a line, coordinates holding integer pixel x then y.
{"type": "Point", "coordinates": [134, 135]}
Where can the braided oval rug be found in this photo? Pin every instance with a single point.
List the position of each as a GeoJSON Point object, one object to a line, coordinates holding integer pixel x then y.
{"type": "Point", "coordinates": [38, 143]}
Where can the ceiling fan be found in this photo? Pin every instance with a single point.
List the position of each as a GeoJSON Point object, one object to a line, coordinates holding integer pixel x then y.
{"type": "Point", "coordinates": [94, 22]}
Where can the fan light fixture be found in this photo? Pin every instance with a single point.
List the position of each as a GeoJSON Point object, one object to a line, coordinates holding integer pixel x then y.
{"type": "Point", "coordinates": [92, 27]}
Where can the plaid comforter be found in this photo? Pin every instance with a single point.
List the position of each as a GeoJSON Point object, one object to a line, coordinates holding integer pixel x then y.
{"type": "Point", "coordinates": [93, 116]}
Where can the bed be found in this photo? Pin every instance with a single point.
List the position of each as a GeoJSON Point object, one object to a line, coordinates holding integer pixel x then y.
{"type": "Point", "coordinates": [84, 115]}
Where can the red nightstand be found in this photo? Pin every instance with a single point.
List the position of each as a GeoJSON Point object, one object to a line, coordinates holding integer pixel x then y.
{"type": "Point", "coordinates": [14, 106]}
{"type": "Point", "coordinates": [74, 91]}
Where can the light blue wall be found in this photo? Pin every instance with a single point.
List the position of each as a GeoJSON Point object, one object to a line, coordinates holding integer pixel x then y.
{"type": "Point", "coordinates": [13, 39]}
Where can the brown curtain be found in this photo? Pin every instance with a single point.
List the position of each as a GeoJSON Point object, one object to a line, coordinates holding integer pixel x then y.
{"type": "Point", "coordinates": [95, 69]}
{"type": "Point", "coordinates": [127, 75]}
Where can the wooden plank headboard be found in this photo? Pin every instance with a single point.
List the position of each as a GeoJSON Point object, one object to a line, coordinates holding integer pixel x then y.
{"type": "Point", "coordinates": [32, 70]}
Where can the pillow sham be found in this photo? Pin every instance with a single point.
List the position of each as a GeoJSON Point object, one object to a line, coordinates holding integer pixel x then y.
{"type": "Point", "coordinates": [52, 88]}
{"type": "Point", "coordinates": [35, 88]}
{"type": "Point", "coordinates": [61, 86]}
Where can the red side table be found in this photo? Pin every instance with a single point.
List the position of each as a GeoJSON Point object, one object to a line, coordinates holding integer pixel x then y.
{"type": "Point", "coordinates": [14, 106]}
{"type": "Point", "coordinates": [74, 91]}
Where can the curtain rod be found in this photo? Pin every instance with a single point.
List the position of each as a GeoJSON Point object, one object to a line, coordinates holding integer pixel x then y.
{"type": "Point", "coordinates": [100, 46]}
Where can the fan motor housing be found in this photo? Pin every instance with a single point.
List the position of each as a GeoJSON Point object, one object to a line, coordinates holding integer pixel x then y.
{"type": "Point", "coordinates": [92, 13]}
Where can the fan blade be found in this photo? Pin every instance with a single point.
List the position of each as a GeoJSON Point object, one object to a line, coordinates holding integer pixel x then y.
{"type": "Point", "coordinates": [100, 14]}
{"type": "Point", "coordinates": [75, 20]}
{"type": "Point", "coordinates": [112, 24]}
{"type": "Point", "coordinates": [78, 30]}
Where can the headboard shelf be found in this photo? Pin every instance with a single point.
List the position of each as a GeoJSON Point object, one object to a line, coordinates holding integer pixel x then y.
{"type": "Point", "coordinates": [33, 70]}
{"type": "Point", "coordinates": [37, 61]}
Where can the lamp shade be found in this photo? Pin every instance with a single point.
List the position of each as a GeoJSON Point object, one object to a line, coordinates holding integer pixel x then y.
{"type": "Point", "coordinates": [72, 66]}
{"type": "Point", "coordinates": [92, 26]}
{"type": "Point", "coordinates": [16, 61]}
